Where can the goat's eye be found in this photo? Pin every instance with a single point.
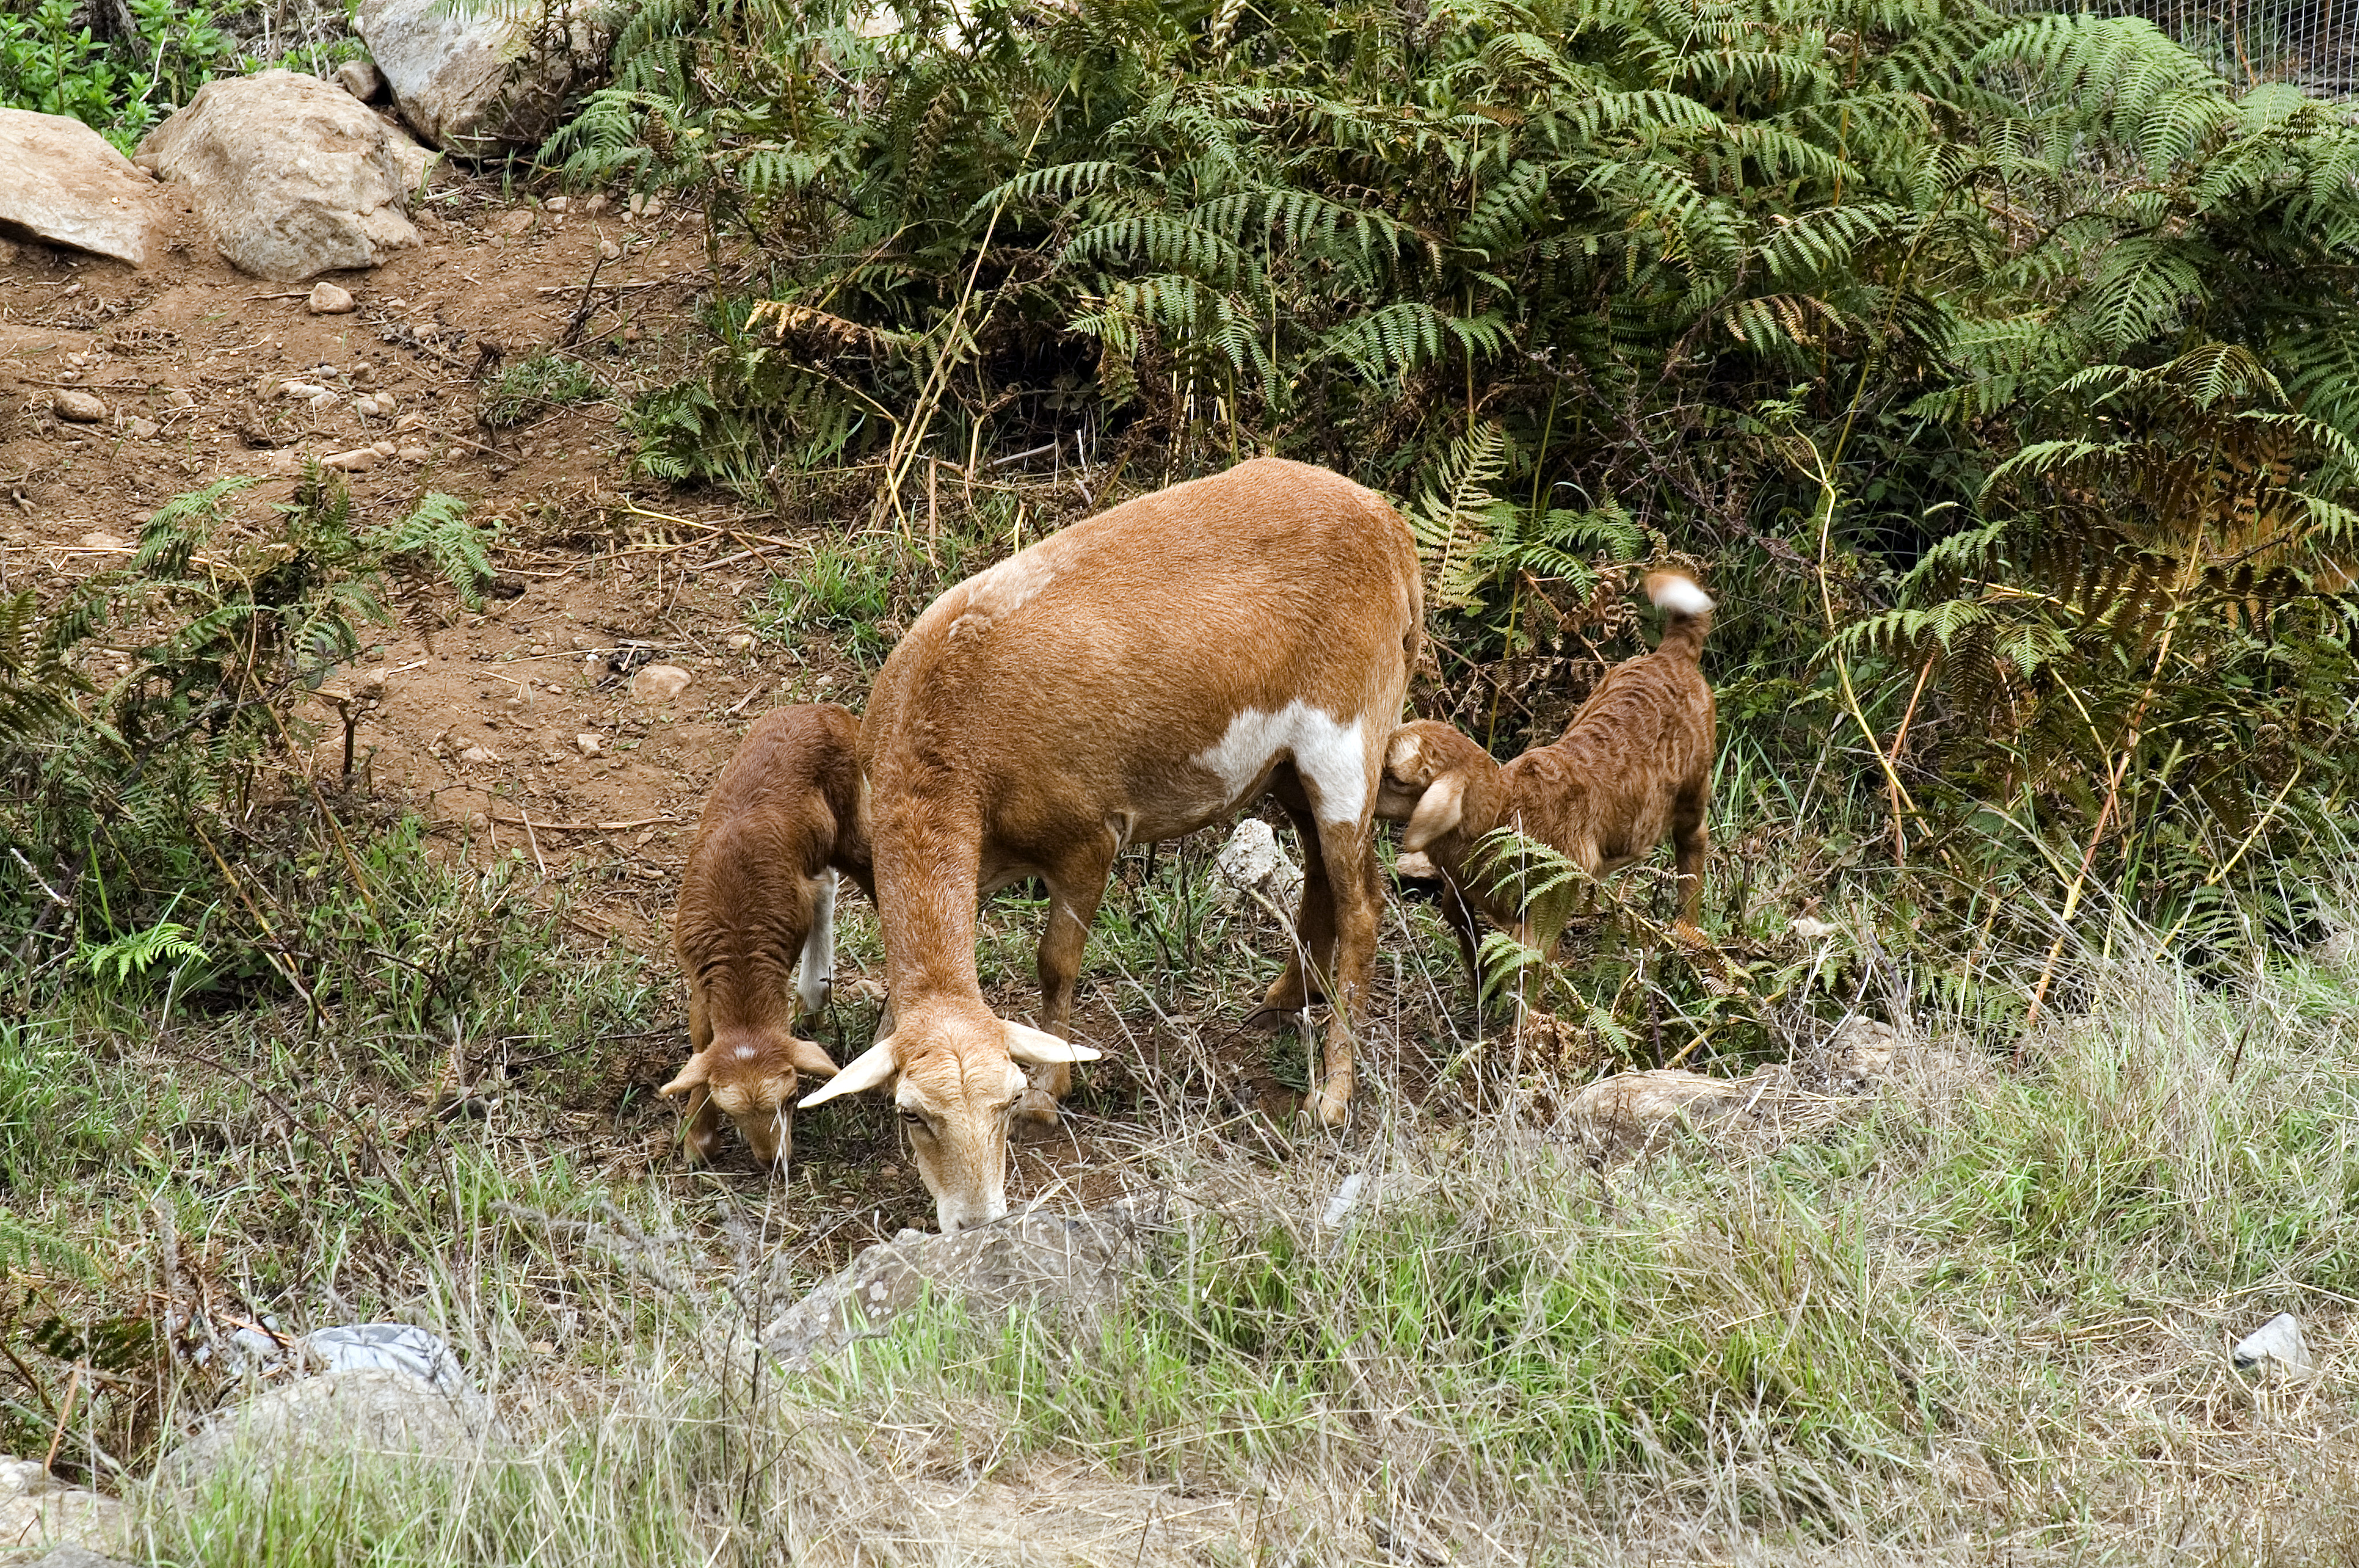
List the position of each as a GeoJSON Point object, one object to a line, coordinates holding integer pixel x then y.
{"type": "Point", "coordinates": [911, 1116]}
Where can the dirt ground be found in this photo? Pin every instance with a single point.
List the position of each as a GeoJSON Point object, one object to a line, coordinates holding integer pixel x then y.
{"type": "Point", "coordinates": [482, 717]}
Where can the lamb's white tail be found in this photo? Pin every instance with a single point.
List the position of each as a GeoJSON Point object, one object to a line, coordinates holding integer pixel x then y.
{"type": "Point", "coordinates": [818, 969]}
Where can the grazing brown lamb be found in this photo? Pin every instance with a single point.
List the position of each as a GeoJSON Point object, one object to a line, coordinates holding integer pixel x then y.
{"type": "Point", "coordinates": [755, 927]}
{"type": "Point", "coordinates": [1633, 768]}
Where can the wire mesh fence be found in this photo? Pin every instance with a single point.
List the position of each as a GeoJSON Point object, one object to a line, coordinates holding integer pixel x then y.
{"type": "Point", "coordinates": [2313, 44]}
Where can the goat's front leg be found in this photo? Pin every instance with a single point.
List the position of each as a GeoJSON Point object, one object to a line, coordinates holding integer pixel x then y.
{"type": "Point", "coordinates": [1349, 853]}
{"type": "Point", "coordinates": [1075, 887]}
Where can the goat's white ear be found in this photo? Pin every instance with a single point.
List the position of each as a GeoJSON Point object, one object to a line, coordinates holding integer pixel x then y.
{"type": "Point", "coordinates": [698, 1068]}
{"type": "Point", "coordinates": [808, 1057]}
{"type": "Point", "coordinates": [1038, 1048]}
{"type": "Point", "coordinates": [871, 1069]}
{"type": "Point", "coordinates": [1438, 811]}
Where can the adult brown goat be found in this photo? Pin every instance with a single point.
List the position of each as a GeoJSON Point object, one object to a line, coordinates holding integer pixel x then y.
{"type": "Point", "coordinates": [1134, 677]}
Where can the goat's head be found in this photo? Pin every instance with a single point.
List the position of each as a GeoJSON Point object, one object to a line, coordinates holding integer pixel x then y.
{"type": "Point", "coordinates": [956, 1076]}
{"type": "Point", "coordinates": [1430, 773]}
{"type": "Point", "coordinates": [751, 1079]}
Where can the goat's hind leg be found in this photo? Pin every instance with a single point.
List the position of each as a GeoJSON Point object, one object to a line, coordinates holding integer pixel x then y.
{"type": "Point", "coordinates": [1305, 981]}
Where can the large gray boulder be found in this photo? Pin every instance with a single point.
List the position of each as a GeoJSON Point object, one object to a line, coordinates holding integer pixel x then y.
{"type": "Point", "coordinates": [62, 182]}
{"type": "Point", "coordinates": [474, 82]}
{"type": "Point", "coordinates": [290, 175]}
{"type": "Point", "coordinates": [1073, 1267]}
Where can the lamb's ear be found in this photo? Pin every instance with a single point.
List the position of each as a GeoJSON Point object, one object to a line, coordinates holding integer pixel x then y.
{"type": "Point", "coordinates": [1438, 811]}
{"type": "Point", "coordinates": [872, 1068]}
{"type": "Point", "coordinates": [698, 1068]}
{"type": "Point", "coordinates": [1038, 1048]}
{"type": "Point", "coordinates": [810, 1057]}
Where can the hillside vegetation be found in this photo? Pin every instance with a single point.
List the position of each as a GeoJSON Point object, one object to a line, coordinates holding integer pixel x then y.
{"type": "Point", "coordinates": [1998, 374]}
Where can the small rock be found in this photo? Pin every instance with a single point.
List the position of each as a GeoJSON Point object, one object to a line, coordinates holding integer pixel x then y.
{"type": "Point", "coordinates": [413, 454]}
{"type": "Point", "coordinates": [144, 429]}
{"type": "Point", "coordinates": [554, 203]}
{"type": "Point", "coordinates": [610, 249]}
{"type": "Point", "coordinates": [37, 1509]}
{"type": "Point", "coordinates": [1072, 1268]}
{"type": "Point", "coordinates": [304, 389]}
{"type": "Point", "coordinates": [326, 399]}
{"type": "Point", "coordinates": [738, 642]}
{"type": "Point", "coordinates": [360, 460]}
{"type": "Point", "coordinates": [387, 402]}
{"type": "Point", "coordinates": [660, 683]}
{"type": "Point", "coordinates": [408, 422]}
{"type": "Point", "coordinates": [360, 79]}
{"type": "Point", "coordinates": [1863, 1048]}
{"type": "Point", "coordinates": [1811, 930]}
{"type": "Point", "coordinates": [82, 408]}
{"type": "Point", "coordinates": [1632, 1109]}
{"type": "Point", "coordinates": [589, 745]}
{"type": "Point", "coordinates": [367, 407]}
{"type": "Point", "coordinates": [597, 204]}
{"type": "Point", "coordinates": [1346, 1198]}
{"type": "Point", "coordinates": [180, 397]}
{"type": "Point", "coordinates": [519, 222]}
{"type": "Point", "coordinates": [369, 686]}
{"type": "Point", "coordinates": [98, 540]}
{"type": "Point", "coordinates": [1251, 862]}
{"type": "Point", "coordinates": [479, 755]}
{"type": "Point", "coordinates": [2277, 1343]}
{"type": "Point", "coordinates": [1415, 865]}
{"type": "Point", "coordinates": [327, 299]}
{"type": "Point", "coordinates": [74, 1557]}
{"type": "Point", "coordinates": [383, 448]}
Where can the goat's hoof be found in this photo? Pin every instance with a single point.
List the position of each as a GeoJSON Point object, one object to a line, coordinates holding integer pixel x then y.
{"type": "Point", "coordinates": [1329, 1105]}
{"type": "Point", "coordinates": [1036, 1112]}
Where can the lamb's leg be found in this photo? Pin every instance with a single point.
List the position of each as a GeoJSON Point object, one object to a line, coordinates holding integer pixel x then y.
{"type": "Point", "coordinates": [815, 973]}
{"type": "Point", "coordinates": [1075, 887]}
{"type": "Point", "coordinates": [1688, 845]}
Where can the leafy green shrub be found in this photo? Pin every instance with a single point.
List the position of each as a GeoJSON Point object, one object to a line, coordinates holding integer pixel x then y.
{"type": "Point", "coordinates": [50, 61]}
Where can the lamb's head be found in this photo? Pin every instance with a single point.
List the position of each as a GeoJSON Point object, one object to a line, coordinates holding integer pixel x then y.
{"type": "Point", "coordinates": [956, 1074]}
{"type": "Point", "coordinates": [750, 1077]}
{"type": "Point", "coordinates": [1439, 782]}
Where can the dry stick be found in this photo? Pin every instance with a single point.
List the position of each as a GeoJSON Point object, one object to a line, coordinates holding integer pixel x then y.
{"type": "Point", "coordinates": [576, 826]}
{"type": "Point", "coordinates": [1892, 757]}
{"type": "Point", "coordinates": [2220, 872]}
{"type": "Point", "coordinates": [65, 1415]}
{"type": "Point", "coordinates": [532, 838]}
{"type": "Point", "coordinates": [904, 451]}
{"type": "Point", "coordinates": [279, 959]}
{"type": "Point", "coordinates": [2130, 737]}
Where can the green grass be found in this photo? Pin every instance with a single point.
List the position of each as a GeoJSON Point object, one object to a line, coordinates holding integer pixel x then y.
{"type": "Point", "coordinates": [533, 388]}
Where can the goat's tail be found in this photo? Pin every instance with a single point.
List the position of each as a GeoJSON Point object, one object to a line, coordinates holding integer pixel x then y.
{"type": "Point", "coordinates": [1687, 613]}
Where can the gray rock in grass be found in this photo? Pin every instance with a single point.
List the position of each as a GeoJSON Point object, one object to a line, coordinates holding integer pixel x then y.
{"type": "Point", "coordinates": [1075, 1267]}
{"type": "Point", "coordinates": [2277, 1343]}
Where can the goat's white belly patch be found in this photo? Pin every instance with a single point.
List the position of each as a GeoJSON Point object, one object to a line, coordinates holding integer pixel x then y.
{"type": "Point", "coordinates": [1331, 757]}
